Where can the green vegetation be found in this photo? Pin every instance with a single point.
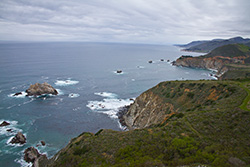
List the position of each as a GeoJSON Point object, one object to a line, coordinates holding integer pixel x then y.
{"type": "Point", "coordinates": [211, 128]}
{"type": "Point", "coordinates": [231, 50]}
{"type": "Point", "coordinates": [207, 123]}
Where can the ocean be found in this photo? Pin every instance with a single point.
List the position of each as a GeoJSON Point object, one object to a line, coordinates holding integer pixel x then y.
{"type": "Point", "coordinates": [90, 89]}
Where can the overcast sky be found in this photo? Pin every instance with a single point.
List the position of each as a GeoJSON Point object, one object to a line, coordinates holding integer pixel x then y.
{"type": "Point", "coordinates": [133, 21]}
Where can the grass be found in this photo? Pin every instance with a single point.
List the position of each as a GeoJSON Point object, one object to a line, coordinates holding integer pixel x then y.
{"type": "Point", "coordinates": [208, 129]}
{"type": "Point", "coordinates": [244, 105]}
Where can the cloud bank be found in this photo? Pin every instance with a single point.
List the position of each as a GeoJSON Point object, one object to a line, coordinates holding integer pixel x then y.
{"type": "Point", "coordinates": [134, 21]}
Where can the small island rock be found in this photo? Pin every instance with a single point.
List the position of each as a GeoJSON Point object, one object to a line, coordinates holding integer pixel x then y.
{"type": "Point", "coordinates": [18, 93]}
{"type": "Point", "coordinates": [119, 71]}
{"type": "Point", "coordinates": [4, 123]}
{"type": "Point", "coordinates": [43, 143]}
{"type": "Point", "coordinates": [19, 138]}
{"type": "Point", "coordinates": [41, 89]}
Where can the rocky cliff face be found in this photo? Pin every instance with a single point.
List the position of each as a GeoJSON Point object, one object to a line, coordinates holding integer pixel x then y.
{"type": "Point", "coordinates": [218, 59]}
{"type": "Point", "coordinates": [148, 109]}
{"type": "Point", "coordinates": [210, 63]}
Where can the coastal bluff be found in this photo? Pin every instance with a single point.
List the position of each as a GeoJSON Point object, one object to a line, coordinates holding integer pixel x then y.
{"type": "Point", "coordinates": [222, 59]}
{"type": "Point", "coordinates": [175, 123]}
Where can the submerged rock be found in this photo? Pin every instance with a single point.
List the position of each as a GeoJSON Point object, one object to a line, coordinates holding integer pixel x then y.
{"type": "Point", "coordinates": [4, 123]}
{"type": "Point", "coordinates": [41, 89]}
{"type": "Point", "coordinates": [18, 139]}
{"type": "Point", "coordinates": [18, 93]}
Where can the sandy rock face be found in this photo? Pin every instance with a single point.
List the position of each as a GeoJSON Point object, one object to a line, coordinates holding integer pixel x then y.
{"type": "Point", "coordinates": [148, 109]}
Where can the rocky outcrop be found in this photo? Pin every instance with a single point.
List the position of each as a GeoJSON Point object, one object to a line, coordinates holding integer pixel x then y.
{"type": "Point", "coordinates": [218, 59]}
{"type": "Point", "coordinates": [41, 89]}
{"type": "Point", "coordinates": [4, 123]}
{"type": "Point", "coordinates": [210, 63]}
{"type": "Point", "coordinates": [18, 139]}
{"type": "Point", "coordinates": [32, 155]}
{"type": "Point", "coordinates": [119, 71]}
{"type": "Point", "coordinates": [148, 109]}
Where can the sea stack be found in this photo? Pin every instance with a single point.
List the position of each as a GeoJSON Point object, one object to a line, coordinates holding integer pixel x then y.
{"type": "Point", "coordinates": [41, 89]}
{"type": "Point", "coordinates": [18, 139]}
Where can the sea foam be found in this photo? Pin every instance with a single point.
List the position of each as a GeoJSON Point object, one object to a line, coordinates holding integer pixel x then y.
{"type": "Point", "coordinates": [21, 95]}
{"type": "Point", "coordinates": [66, 82]}
{"type": "Point", "coordinates": [109, 105]}
{"type": "Point", "coordinates": [73, 95]}
{"type": "Point", "coordinates": [13, 126]}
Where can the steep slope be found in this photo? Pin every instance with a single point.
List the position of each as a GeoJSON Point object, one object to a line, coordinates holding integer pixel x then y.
{"type": "Point", "coordinates": [219, 59]}
{"type": "Point", "coordinates": [205, 126]}
{"type": "Point", "coordinates": [210, 45]}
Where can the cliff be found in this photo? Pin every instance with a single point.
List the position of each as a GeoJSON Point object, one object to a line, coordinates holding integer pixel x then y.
{"type": "Point", "coordinates": [148, 109]}
{"type": "Point", "coordinates": [177, 123]}
{"type": "Point", "coordinates": [218, 59]}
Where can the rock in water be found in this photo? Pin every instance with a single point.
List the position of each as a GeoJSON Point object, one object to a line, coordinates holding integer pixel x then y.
{"type": "Point", "coordinates": [32, 155]}
{"type": "Point", "coordinates": [119, 71]}
{"type": "Point", "coordinates": [41, 89]}
{"type": "Point", "coordinates": [4, 123]}
{"type": "Point", "coordinates": [18, 93]}
{"type": "Point", "coordinates": [19, 138]}
{"type": "Point", "coordinates": [43, 143]}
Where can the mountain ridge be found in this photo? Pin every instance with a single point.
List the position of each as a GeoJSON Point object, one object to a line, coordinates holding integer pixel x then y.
{"type": "Point", "coordinates": [209, 45]}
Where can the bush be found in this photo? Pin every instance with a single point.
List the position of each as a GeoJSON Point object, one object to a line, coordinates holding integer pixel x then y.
{"type": "Point", "coordinates": [79, 151]}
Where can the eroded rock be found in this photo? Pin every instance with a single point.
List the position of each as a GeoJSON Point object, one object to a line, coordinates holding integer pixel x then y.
{"type": "Point", "coordinates": [18, 139]}
{"type": "Point", "coordinates": [41, 89]}
{"type": "Point", "coordinates": [32, 155]}
{"type": "Point", "coordinates": [4, 123]}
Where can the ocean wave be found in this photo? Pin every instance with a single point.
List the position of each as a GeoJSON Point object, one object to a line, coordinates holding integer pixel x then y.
{"type": "Point", "coordinates": [66, 82]}
{"type": "Point", "coordinates": [23, 163]}
{"type": "Point", "coordinates": [140, 67]}
{"type": "Point", "coordinates": [11, 129]}
{"type": "Point", "coordinates": [73, 95]}
{"type": "Point", "coordinates": [20, 95]}
{"type": "Point", "coordinates": [110, 105]}
{"type": "Point", "coordinates": [106, 94]}
{"type": "Point", "coordinates": [120, 73]}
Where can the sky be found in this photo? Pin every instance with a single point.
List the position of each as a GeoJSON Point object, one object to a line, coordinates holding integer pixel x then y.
{"type": "Point", "coordinates": [123, 21]}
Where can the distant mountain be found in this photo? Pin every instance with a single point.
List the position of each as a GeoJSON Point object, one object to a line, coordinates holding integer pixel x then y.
{"type": "Point", "coordinates": [207, 46]}
{"type": "Point", "coordinates": [191, 44]}
{"type": "Point", "coordinates": [248, 44]}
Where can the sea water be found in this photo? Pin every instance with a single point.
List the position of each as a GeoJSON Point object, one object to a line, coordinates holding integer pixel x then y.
{"type": "Point", "coordinates": [90, 89]}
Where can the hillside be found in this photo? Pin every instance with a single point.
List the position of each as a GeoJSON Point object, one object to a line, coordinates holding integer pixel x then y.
{"type": "Point", "coordinates": [207, 46]}
{"type": "Point", "coordinates": [207, 124]}
{"type": "Point", "coordinates": [228, 58]}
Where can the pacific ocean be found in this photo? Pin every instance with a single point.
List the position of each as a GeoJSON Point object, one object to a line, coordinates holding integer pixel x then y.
{"type": "Point", "coordinates": [90, 89]}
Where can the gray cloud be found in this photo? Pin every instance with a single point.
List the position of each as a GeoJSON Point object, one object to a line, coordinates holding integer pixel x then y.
{"type": "Point", "coordinates": [137, 21]}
